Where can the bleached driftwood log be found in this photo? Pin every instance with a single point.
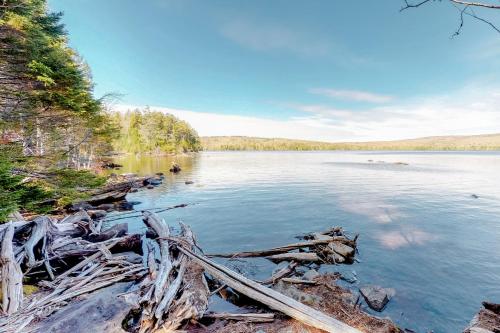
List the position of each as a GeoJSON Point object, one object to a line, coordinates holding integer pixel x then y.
{"type": "Point", "coordinates": [269, 297]}
{"type": "Point", "coordinates": [12, 276]}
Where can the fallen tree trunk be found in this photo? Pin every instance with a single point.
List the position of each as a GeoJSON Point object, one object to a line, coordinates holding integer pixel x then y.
{"type": "Point", "coordinates": [269, 297]}
{"type": "Point", "coordinates": [299, 257]}
{"type": "Point", "coordinates": [12, 276]}
{"type": "Point", "coordinates": [282, 249]}
{"type": "Point", "coordinates": [247, 317]}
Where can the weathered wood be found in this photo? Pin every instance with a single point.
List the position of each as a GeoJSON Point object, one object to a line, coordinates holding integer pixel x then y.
{"type": "Point", "coordinates": [298, 281]}
{"type": "Point", "coordinates": [38, 232]}
{"type": "Point", "coordinates": [295, 256]}
{"type": "Point", "coordinates": [282, 249]}
{"type": "Point", "coordinates": [193, 301]}
{"type": "Point", "coordinates": [12, 276]}
{"type": "Point", "coordinates": [284, 272]}
{"type": "Point", "coordinates": [247, 317]}
{"type": "Point", "coordinates": [269, 297]}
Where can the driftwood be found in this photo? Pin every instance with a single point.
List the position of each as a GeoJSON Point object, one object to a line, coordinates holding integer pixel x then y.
{"type": "Point", "coordinates": [284, 272]}
{"type": "Point", "coordinates": [247, 317]}
{"type": "Point", "coordinates": [12, 276]}
{"type": "Point", "coordinates": [269, 297]}
{"type": "Point", "coordinates": [298, 281]}
{"type": "Point", "coordinates": [295, 256]}
{"type": "Point", "coordinates": [282, 249]}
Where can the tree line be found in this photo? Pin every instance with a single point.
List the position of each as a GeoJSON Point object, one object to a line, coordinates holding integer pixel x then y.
{"type": "Point", "coordinates": [52, 127]}
{"type": "Point", "coordinates": [153, 132]}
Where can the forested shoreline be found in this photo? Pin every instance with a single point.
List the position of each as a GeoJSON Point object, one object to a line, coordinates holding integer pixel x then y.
{"type": "Point", "coordinates": [54, 133]}
{"type": "Point", "coordinates": [488, 142]}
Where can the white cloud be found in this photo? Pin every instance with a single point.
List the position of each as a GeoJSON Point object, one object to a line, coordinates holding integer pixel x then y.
{"type": "Point", "coordinates": [472, 110]}
{"type": "Point", "coordinates": [353, 95]}
{"type": "Point", "coordinates": [267, 37]}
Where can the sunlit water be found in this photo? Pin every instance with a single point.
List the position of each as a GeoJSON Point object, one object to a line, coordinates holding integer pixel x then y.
{"type": "Point", "coordinates": [421, 230]}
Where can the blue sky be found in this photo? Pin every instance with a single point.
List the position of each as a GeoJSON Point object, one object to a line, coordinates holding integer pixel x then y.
{"type": "Point", "coordinates": [323, 70]}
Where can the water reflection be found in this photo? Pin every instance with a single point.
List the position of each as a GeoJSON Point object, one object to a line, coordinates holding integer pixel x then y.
{"type": "Point", "coordinates": [421, 231]}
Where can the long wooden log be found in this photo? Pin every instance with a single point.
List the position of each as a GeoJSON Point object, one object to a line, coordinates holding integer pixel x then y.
{"type": "Point", "coordinates": [247, 317]}
{"type": "Point", "coordinates": [12, 276]}
{"type": "Point", "coordinates": [282, 249]}
{"type": "Point", "coordinates": [295, 256]}
{"type": "Point", "coordinates": [269, 297]}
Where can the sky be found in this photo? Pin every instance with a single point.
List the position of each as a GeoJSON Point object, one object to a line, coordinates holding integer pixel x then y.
{"type": "Point", "coordinates": [352, 70]}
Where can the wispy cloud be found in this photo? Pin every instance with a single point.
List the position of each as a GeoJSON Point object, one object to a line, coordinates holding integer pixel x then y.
{"type": "Point", "coordinates": [472, 110]}
{"type": "Point", "coordinates": [268, 37]}
{"type": "Point", "coordinates": [352, 95]}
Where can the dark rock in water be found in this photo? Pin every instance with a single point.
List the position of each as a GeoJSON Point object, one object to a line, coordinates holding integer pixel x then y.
{"type": "Point", "coordinates": [175, 168]}
{"type": "Point", "coordinates": [124, 205]}
{"type": "Point", "coordinates": [188, 182]}
{"type": "Point", "coordinates": [159, 174]}
{"type": "Point", "coordinates": [377, 297]}
{"type": "Point", "coordinates": [349, 278]}
{"type": "Point", "coordinates": [133, 190]}
{"type": "Point", "coordinates": [150, 187]}
{"type": "Point", "coordinates": [152, 181]}
{"type": "Point", "coordinates": [106, 207]}
{"type": "Point", "coordinates": [102, 311]}
{"type": "Point", "coordinates": [475, 196]}
{"type": "Point", "coordinates": [111, 165]}
{"type": "Point", "coordinates": [97, 213]}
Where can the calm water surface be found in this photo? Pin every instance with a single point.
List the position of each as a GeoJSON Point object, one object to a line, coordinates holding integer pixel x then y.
{"type": "Point", "coordinates": [421, 231]}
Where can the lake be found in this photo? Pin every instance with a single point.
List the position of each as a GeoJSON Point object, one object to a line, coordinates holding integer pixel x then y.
{"type": "Point", "coordinates": [422, 230]}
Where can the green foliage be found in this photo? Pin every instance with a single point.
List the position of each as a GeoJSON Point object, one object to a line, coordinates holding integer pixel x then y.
{"type": "Point", "coordinates": [152, 132]}
{"type": "Point", "coordinates": [14, 194]}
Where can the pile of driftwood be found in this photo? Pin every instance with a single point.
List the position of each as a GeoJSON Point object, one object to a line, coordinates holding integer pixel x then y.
{"type": "Point", "coordinates": [162, 280]}
{"type": "Point", "coordinates": [329, 247]}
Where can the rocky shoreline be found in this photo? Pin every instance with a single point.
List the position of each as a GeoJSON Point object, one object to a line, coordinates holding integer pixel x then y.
{"type": "Point", "coordinates": [86, 265]}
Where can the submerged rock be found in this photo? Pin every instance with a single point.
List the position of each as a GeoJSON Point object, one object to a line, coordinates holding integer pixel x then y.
{"type": "Point", "coordinates": [377, 297]}
{"type": "Point", "coordinates": [296, 294]}
{"type": "Point", "coordinates": [310, 275]}
{"type": "Point", "coordinates": [188, 182]}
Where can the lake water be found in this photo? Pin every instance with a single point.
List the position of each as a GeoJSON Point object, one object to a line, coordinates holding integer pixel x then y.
{"type": "Point", "coordinates": [421, 230]}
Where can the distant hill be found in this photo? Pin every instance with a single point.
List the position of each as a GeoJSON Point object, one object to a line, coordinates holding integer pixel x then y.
{"type": "Point", "coordinates": [459, 142]}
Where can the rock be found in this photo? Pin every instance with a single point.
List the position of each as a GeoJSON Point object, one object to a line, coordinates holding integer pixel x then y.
{"type": "Point", "coordinates": [474, 196]}
{"type": "Point", "coordinates": [175, 168]}
{"type": "Point", "coordinates": [342, 249]}
{"type": "Point", "coordinates": [106, 207]}
{"type": "Point", "coordinates": [159, 174]}
{"type": "Point", "coordinates": [337, 258]}
{"type": "Point", "coordinates": [377, 297]}
{"type": "Point", "coordinates": [133, 190]}
{"type": "Point", "coordinates": [349, 278]}
{"type": "Point", "coordinates": [292, 291]}
{"type": "Point", "coordinates": [150, 187]}
{"type": "Point", "coordinates": [102, 311]}
{"type": "Point", "coordinates": [487, 320]}
{"type": "Point", "coordinates": [310, 275]}
{"type": "Point", "coordinates": [188, 182]}
{"type": "Point", "coordinates": [152, 181]}
{"type": "Point", "coordinates": [97, 213]}
{"type": "Point", "coordinates": [124, 205]}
